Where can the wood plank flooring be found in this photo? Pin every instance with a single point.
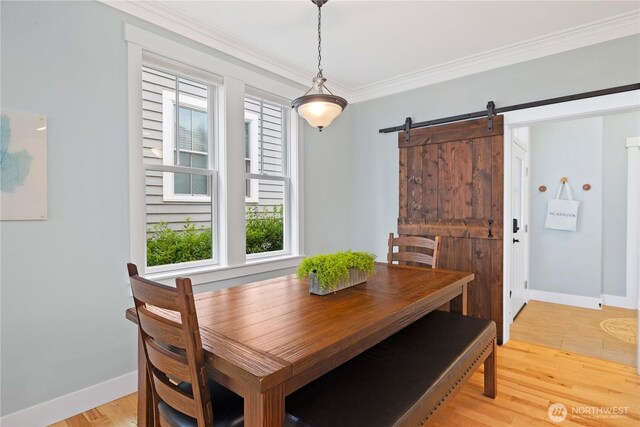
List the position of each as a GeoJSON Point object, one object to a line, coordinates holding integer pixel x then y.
{"type": "Point", "coordinates": [573, 329]}
{"type": "Point", "coordinates": [120, 412]}
{"type": "Point", "coordinates": [530, 378]}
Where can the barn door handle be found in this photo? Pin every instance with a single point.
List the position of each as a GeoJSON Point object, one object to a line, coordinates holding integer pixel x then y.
{"type": "Point", "coordinates": [490, 236]}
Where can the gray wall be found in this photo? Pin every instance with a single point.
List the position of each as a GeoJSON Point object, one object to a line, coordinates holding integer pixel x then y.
{"type": "Point", "coordinates": [592, 260]}
{"type": "Point", "coordinates": [616, 129]}
{"type": "Point", "coordinates": [327, 186]}
{"type": "Point", "coordinates": [564, 261]}
{"type": "Point", "coordinates": [63, 281]}
{"type": "Point", "coordinates": [374, 170]}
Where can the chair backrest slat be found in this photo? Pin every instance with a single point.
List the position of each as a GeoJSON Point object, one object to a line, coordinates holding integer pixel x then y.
{"type": "Point", "coordinates": [172, 346]}
{"type": "Point", "coordinates": [155, 294]}
{"type": "Point", "coordinates": [174, 396]}
{"type": "Point", "coordinates": [414, 242]}
{"type": "Point", "coordinates": [162, 329]}
{"type": "Point", "coordinates": [411, 249]}
{"type": "Point", "coordinates": [171, 364]}
{"type": "Point", "coordinates": [413, 257]}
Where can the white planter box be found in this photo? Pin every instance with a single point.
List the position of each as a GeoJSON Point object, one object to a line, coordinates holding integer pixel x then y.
{"type": "Point", "coordinates": [355, 277]}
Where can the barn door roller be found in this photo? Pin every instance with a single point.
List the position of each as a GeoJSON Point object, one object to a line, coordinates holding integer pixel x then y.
{"type": "Point", "coordinates": [407, 130]}
{"type": "Point", "coordinates": [490, 113]}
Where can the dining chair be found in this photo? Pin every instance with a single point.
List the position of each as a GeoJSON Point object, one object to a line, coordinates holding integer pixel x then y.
{"type": "Point", "coordinates": [182, 394]}
{"type": "Point", "coordinates": [410, 250]}
{"type": "Point", "coordinates": [175, 358]}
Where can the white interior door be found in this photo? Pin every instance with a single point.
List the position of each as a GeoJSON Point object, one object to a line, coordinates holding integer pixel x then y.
{"type": "Point", "coordinates": [520, 220]}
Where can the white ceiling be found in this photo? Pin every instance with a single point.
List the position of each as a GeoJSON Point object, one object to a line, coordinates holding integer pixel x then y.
{"type": "Point", "coordinates": [372, 48]}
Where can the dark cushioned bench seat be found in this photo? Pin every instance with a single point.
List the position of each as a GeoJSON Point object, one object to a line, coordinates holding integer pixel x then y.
{"type": "Point", "coordinates": [404, 379]}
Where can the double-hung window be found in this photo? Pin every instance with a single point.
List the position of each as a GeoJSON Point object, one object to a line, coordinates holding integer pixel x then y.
{"type": "Point", "coordinates": [267, 176]}
{"type": "Point", "coordinates": [178, 124]}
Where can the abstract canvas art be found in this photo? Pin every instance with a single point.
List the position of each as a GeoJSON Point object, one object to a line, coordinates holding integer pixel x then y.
{"type": "Point", "coordinates": [23, 166]}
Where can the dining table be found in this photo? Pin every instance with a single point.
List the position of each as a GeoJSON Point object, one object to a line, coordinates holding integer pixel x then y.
{"type": "Point", "coordinates": [264, 340]}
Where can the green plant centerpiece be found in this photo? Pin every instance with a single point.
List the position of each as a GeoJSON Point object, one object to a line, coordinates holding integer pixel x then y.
{"type": "Point", "coordinates": [331, 272]}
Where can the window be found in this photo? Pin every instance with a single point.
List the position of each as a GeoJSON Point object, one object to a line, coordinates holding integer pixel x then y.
{"type": "Point", "coordinates": [177, 147]}
{"type": "Point", "coordinates": [266, 175]}
{"type": "Point", "coordinates": [211, 158]}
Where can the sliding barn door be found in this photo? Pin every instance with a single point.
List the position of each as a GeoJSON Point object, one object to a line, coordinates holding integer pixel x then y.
{"type": "Point", "coordinates": [451, 184]}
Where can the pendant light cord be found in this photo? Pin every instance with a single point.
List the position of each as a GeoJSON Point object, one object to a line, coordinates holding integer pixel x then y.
{"type": "Point", "coordinates": [319, 42]}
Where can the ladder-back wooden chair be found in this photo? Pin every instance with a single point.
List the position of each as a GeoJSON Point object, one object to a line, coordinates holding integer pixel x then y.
{"type": "Point", "coordinates": [175, 359]}
{"type": "Point", "coordinates": [409, 250]}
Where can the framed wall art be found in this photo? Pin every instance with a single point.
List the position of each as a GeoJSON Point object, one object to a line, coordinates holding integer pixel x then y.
{"type": "Point", "coordinates": [23, 166]}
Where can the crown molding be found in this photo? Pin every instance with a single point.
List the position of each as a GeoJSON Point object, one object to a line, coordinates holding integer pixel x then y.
{"type": "Point", "coordinates": [585, 35]}
{"type": "Point", "coordinates": [573, 38]}
{"type": "Point", "coordinates": [165, 17]}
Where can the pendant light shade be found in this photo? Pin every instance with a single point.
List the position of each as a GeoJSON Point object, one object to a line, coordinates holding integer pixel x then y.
{"type": "Point", "coordinates": [318, 108]}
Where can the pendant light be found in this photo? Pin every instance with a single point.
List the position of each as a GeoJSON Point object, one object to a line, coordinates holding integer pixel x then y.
{"type": "Point", "coordinates": [315, 106]}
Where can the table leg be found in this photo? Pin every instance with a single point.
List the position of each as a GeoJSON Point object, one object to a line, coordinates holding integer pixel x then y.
{"type": "Point", "coordinates": [265, 409]}
{"type": "Point", "coordinates": [459, 303]}
{"type": "Point", "coordinates": [145, 398]}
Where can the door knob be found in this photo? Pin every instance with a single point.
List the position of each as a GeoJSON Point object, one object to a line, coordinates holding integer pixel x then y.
{"type": "Point", "coordinates": [516, 241]}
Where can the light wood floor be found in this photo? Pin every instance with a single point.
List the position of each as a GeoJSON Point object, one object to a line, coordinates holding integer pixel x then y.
{"type": "Point", "coordinates": [573, 329]}
{"type": "Point", "coordinates": [530, 378]}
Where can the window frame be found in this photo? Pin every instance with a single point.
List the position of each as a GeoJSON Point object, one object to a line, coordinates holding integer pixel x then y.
{"type": "Point", "coordinates": [168, 169]}
{"type": "Point", "coordinates": [229, 151]}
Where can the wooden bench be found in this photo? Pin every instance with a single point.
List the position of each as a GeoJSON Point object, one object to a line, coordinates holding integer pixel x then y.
{"type": "Point", "coordinates": [403, 380]}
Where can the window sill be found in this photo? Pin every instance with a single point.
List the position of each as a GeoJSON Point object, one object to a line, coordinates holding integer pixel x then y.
{"type": "Point", "coordinates": [208, 274]}
{"type": "Point", "coordinates": [185, 199]}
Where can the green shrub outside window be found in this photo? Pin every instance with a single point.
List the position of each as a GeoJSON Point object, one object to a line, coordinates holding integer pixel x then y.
{"type": "Point", "coordinates": [168, 246]}
{"type": "Point", "coordinates": [264, 229]}
{"type": "Point", "coordinates": [265, 233]}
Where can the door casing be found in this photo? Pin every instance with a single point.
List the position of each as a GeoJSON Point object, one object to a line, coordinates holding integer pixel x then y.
{"type": "Point", "coordinates": [619, 102]}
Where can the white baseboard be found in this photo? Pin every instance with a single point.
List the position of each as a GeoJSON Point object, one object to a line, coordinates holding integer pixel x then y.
{"type": "Point", "coordinates": [565, 299]}
{"type": "Point", "coordinates": [617, 301]}
{"type": "Point", "coordinates": [74, 403]}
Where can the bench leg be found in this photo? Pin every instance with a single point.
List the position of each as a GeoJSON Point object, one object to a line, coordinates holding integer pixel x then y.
{"type": "Point", "coordinates": [491, 373]}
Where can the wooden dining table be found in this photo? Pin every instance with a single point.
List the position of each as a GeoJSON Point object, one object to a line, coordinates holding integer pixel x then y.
{"type": "Point", "coordinates": [265, 340]}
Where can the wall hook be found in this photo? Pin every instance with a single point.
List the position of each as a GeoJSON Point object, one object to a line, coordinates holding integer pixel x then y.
{"type": "Point", "coordinates": [586, 187]}
{"type": "Point", "coordinates": [564, 180]}
{"type": "Point", "coordinates": [542, 188]}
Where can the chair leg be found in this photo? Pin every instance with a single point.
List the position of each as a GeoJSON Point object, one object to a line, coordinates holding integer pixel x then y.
{"type": "Point", "coordinates": [491, 373]}
{"type": "Point", "coordinates": [145, 404]}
